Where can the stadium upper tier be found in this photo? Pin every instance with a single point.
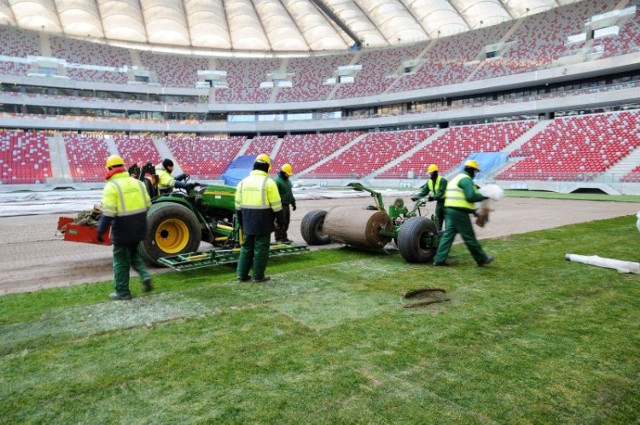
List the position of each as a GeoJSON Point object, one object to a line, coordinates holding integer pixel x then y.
{"type": "Point", "coordinates": [266, 25]}
{"type": "Point", "coordinates": [580, 32]}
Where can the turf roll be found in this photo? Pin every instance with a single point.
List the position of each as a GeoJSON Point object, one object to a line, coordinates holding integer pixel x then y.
{"type": "Point", "coordinates": [358, 227]}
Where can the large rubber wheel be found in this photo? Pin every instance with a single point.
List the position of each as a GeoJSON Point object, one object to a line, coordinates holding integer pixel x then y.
{"type": "Point", "coordinates": [418, 240]}
{"type": "Point", "coordinates": [172, 229]}
{"type": "Point", "coordinates": [311, 228]}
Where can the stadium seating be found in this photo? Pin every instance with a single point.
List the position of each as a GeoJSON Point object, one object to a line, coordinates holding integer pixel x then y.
{"type": "Point", "coordinates": [627, 40]}
{"type": "Point", "coordinates": [541, 39]}
{"type": "Point", "coordinates": [137, 149]}
{"type": "Point", "coordinates": [261, 144]}
{"type": "Point", "coordinates": [451, 60]}
{"type": "Point", "coordinates": [204, 157]}
{"type": "Point", "coordinates": [87, 53]}
{"type": "Point", "coordinates": [98, 76]}
{"type": "Point", "coordinates": [24, 157]}
{"type": "Point", "coordinates": [457, 144]}
{"type": "Point", "coordinates": [308, 77]}
{"type": "Point", "coordinates": [244, 77]}
{"type": "Point", "coordinates": [370, 153]}
{"type": "Point", "coordinates": [633, 176]}
{"type": "Point", "coordinates": [379, 71]}
{"type": "Point", "coordinates": [304, 150]}
{"type": "Point", "coordinates": [174, 70]}
{"type": "Point", "coordinates": [18, 43]}
{"type": "Point", "coordinates": [14, 68]}
{"type": "Point", "coordinates": [576, 148]}
{"type": "Point", "coordinates": [87, 155]}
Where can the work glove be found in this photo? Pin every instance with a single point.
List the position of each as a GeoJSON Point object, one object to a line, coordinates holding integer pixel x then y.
{"type": "Point", "coordinates": [415, 198]}
{"type": "Point", "coordinates": [293, 207]}
{"type": "Point", "coordinates": [99, 237]}
{"type": "Point", "coordinates": [181, 177]}
{"type": "Point", "coordinates": [430, 198]}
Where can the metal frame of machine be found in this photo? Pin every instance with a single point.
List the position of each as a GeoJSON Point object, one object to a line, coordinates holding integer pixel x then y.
{"type": "Point", "coordinates": [372, 228]}
{"type": "Point", "coordinates": [178, 222]}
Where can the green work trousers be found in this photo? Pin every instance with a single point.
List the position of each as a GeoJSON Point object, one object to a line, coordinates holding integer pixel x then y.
{"type": "Point", "coordinates": [254, 254]}
{"type": "Point", "coordinates": [281, 232]}
{"type": "Point", "coordinates": [458, 221]}
{"type": "Point", "coordinates": [125, 257]}
{"type": "Point", "coordinates": [439, 215]}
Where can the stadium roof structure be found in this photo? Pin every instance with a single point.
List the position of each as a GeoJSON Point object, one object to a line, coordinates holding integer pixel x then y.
{"type": "Point", "coordinates": [265, 25]}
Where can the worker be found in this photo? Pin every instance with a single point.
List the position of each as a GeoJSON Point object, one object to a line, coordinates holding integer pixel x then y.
{"type": "Point", "coordinates": [166, 182]}
{"type": "Point", "coordinates": [134, 171]}
{"type": "Point", "coordinates": [435, 188]}
{"type": "Point", "coordinates": [257, 204]}
{"type": "Point", "coordinates": [124, 207]}
{"type": "Point", "coordinates": [460, 196]}
{"type": "Point", "coordinates": [288, 201]}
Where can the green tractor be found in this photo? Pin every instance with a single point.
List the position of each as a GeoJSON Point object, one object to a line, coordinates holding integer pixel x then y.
{"type": "Point", "coordinates": [373, 227]}
{"type": "Point", "coordinates": [179, 221]}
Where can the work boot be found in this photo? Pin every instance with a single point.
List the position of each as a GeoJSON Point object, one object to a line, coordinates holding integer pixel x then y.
{"type": "Point", "coordinates": [487, 261]}
{"type": "Point", "coordinates": [441, 264]}
{"type": "Point", "coordinates": [243, 278]}
{"type": "Point", "coordinates": [146, 285]}
{"type": "Point", "coordinates": [262, 279]}
{"type": "Point", "coordinates": [117, 297]}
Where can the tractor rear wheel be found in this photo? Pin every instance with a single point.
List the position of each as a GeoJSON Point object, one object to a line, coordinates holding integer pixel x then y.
{"type": "Point", "coordinates": [172, 229]}
{"type": "Point", "coordinates": [417, 240]}
{"type": "Point", "coordinates": [311, 228]}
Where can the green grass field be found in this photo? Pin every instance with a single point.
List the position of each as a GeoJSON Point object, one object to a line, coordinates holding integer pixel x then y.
{"type": "Point", "coordinates": [530, 339]}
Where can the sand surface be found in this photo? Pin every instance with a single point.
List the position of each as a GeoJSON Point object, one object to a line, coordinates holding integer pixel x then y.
{"type": "Point", "coordinates": [33, 256]}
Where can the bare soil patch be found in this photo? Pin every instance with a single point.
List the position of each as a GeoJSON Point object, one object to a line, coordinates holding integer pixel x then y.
{"type": "Point", "coordinates": [34, 257]}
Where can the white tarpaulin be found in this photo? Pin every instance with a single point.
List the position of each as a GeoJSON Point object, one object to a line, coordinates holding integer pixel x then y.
{"type": "Point", "coordinates": [594, 260]}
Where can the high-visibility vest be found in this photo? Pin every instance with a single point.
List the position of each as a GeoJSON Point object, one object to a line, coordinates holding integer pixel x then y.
{"type": "Point", "coordinates": [165, 179]}
{"type": "Point", "coordinates": [454, 195]}
{"type": "Point", "coordinates": [258, 191]}
{"type": "Point", "coordinates": [433, 187]}
{"type": "Point", "coordinates": [123, 196]}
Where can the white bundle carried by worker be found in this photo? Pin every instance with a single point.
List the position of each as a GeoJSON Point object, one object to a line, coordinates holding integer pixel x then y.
{"type": "Point", "coordinates": [494, 193]}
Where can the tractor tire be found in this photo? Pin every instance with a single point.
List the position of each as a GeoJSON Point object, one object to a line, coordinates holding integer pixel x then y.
{"type": "Point", "coordinates": [311, 228]}
{"type": "Point", "coordinates": [172, 229]}
{"type": "Point", "coordinates": [417, 240]}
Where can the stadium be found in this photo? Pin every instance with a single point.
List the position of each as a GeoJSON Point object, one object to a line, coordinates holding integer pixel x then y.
{"type": "Point", "coordinates": [542, 93]}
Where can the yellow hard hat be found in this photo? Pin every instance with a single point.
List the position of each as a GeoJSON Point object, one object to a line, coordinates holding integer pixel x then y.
{"type": "Point", "coordinates": [114, 161]}
{"type": "Point", "coordinates": [288, 170]}
{"type": "Point", "coordinates": [472, 163]}
{"type": "Point", "coordinates": [264, 158]}
{"type": "Point", "coordinates": [432, 168]}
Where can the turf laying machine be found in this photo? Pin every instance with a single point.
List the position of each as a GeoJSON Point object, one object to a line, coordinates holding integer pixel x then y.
{"type": "Point", "coordinates": [177, 223]}
{"type": "Point", "coordinates": [372, 228]}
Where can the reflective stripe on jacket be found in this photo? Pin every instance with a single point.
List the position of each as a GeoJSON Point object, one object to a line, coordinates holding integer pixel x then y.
{"type": "Point", "coordinates": [455, 196]}
{"type": "Point", "coordinates": [257, 200]}
{"type": "Point", "coordinates": [125, 202]}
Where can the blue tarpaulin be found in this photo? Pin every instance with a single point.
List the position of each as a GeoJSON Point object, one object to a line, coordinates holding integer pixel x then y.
{"type": "Point", "coordinates": [238, 169]}
{"type": "Point", "coordinates": [488, 161]}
